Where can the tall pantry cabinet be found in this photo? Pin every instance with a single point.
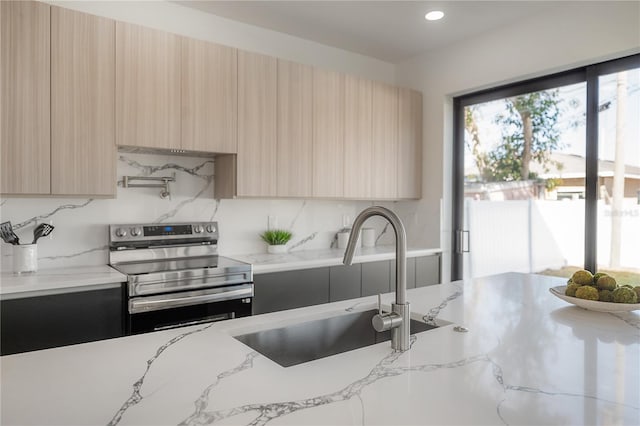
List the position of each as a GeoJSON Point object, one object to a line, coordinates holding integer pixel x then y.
{"type": "Point", "coordinates": [57, 121]}
{"type": "Point", "coordinates": [25, 120]}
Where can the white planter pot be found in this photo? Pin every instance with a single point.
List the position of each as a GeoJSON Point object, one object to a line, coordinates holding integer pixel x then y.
{"type": "Point", "coordinates": [279, 249]}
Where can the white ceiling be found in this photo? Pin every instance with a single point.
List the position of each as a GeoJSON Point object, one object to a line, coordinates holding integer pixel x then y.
{"type": "Point", "coordinates": [392, 31]}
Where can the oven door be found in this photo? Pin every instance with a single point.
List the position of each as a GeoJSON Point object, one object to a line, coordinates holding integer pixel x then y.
{"type": "Point", "coordinates": [161, 312]}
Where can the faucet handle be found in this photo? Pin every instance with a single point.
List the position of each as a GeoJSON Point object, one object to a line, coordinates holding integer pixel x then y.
{"type": "Point", "coordinates": [379, 304]}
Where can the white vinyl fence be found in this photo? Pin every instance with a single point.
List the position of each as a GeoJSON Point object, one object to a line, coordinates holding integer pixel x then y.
{"type": "Point", "coordinates": [534, 235]}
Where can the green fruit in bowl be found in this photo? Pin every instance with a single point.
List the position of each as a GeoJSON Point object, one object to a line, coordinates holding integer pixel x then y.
{"type": "Point", "coordinates": [605, 295]}
{"type": "Point", "coordinates": [606, 282]}
{"type": "Point", "coordinates": [587, 292]}
{"type": "Point", "coordinates": [624, 295]}
{"type": "Point", "coordinates": [571, 289]}
{"type": "Point", "coordinates": [582, 277]}
{"type": "Point", "coordinates": [598, 275]}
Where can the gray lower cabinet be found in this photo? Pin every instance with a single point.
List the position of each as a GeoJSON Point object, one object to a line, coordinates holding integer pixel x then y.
{"type": "Point", "coordinates": [41, 322]}
{"type": "Point", "coordinates": [411, 273]}
{"type": "Point", "coordinates": [278, 291]}
{"type": "Point", "coordinates": [375, 278]}
{"type": "Point", "coordinates": [427, 270]}
{"type": "Point", "coordinates": [345, 282]}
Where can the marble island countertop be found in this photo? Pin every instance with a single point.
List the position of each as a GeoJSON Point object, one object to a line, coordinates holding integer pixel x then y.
{"type": "Point", "coordinates": [527, 358]}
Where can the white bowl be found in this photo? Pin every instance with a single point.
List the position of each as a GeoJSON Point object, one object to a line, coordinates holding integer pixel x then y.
{"type": "Point", "coordinates": [593, 305]}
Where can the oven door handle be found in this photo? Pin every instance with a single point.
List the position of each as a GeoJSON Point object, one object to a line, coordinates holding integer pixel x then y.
{"type": "Point", "coordinates": [156, 303]}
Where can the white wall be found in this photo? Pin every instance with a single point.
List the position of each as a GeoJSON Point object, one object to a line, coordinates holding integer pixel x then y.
{"type": "Point", "coordinates": [178, 19]}
{"type": "Point", "coordinates": [576, 34]}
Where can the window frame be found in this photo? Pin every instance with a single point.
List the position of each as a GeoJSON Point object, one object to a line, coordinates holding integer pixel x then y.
{"type": "Point", "coordinates": [588, 74]}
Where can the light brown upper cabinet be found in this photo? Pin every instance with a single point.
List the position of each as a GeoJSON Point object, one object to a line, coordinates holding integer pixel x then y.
{"type": "Point", "coordinates": [410, 144]}
{"type": "Point", "coordinates": [257, 133]}
{"type": "Point", "coordinates": [295, 131]}
{"type": "Point", "coordinates": [147, 87]}
{"type": "Point", "coordinates": [328, 134]}
{"type": "Point", "coordinates": [358, 145]}
{"type": "Point", "coordinates": [83, 149]}
{"type": "Point", "coordinates": [209, 97]}
{"type": "Point", "coordinates": [25, 99]}
{"type": "Point", "coordinates": [385, 141]}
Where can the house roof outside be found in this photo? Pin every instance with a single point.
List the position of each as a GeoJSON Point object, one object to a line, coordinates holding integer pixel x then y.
{"type": "Point", "coordinates": [573, 166]}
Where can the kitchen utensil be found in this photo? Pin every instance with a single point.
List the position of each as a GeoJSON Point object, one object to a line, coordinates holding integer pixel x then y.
{"type": "Point", "coordinates": [7, 234]}
{"type": "Point", "coordinates": [41, 230]}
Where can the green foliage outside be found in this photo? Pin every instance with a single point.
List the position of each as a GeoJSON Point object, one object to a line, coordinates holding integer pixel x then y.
{"type": "Point", "coordinates": [529, 134]}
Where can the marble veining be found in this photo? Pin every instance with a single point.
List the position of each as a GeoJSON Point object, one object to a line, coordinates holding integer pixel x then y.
{"type": "Point", "coordinates": [629, 318]}
{"type": "Point", "coordinates": [136, 397]}
{"type": "Point", "coordinates": [433, 313]}
{"type": "Point", "coordinates": [147, 170]}
{"type": "Point", "coordinates": [42, 217]}
{"type": "Point", "coordinates": [303, 241]}
{"type": "Point", "coordinates": [270, 411]}
{"type": "Point", "coordinates": [203, 401]}
{"type": "Point", "coordinates": [81, 225]}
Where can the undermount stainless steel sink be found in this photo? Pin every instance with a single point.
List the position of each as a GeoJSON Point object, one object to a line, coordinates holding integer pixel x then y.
{"type": "Point", "coordinates": [311, 340]}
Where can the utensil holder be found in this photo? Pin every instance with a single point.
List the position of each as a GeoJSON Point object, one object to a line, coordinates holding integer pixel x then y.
{"type": "Point", "coordinates": [25, 258]}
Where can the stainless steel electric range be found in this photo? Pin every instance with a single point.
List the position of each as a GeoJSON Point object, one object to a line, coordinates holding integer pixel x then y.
{"type": "Point", "coordinates": [175, 276]}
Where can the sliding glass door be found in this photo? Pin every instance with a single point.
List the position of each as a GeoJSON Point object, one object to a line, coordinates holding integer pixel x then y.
{"type": "Point", "coordinates": [535, 168]}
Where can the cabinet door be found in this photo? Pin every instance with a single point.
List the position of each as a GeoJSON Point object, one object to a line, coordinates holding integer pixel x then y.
{"type": "Point", "coordinates": [328, 134]}
{"type": "Point", "coordinates": [209, 97]}
{"type": "Point", "coordinates": [147, 87]}
{"type": "Point", "coordinates": [375, 278]}
{"type": "Point", "coordinates": [83, 150]}
{"type": "Point", "coordinates": [358, 145]}
{"type": "Point", "coordinates": [427, 270]}
{"type": "Point", "coordinates": [295, 115]}
{"type": "Point", "coordinates": [257, 92]}
{"type": "Point", "coordinates": [345, 282]}
{"type": "Point", "coordinates": [278, 291]}
{"type": "Point", "coordinates": [410, 144]}
{"type": "Point", "coordinates": [42, 322]}
{"type": "Point", "coordinates": [25, 133]}
{"type": "Point", "coordinates": [385, 141]}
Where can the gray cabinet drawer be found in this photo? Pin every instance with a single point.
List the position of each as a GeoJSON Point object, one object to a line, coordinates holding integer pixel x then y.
{"type": "Point", "coordinates": [411, 273]}
{"type": "Point", "coordinates": [427, 270]}
{"type": "Point", "coordinates": [278, 291]}
{"type": "Point", "coordinates": [344, 282]}
{"type": "Point", "coordinates": [375, 278]}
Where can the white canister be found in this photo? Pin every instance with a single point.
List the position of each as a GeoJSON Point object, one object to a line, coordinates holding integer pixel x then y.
{"type": "Point", "coordinates": [368, 237]}
{"type": "Point", "coordinates": [25, 258]}
{"type": "Point", "coordinates": [343, 239]}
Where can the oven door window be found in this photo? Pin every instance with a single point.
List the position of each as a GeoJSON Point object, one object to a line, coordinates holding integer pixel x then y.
{"type": "Point", "coordinates": [188, 315]}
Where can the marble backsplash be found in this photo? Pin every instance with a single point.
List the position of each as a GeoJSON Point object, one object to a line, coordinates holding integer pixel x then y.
{"type": "Point", "coordinates": [81, 236]}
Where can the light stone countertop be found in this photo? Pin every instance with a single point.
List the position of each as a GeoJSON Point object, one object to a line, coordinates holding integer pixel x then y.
{"type": "Point", "coordinates": [81, 278]}
{"type": "Point", "coordinates": [304, 259]}
{"type": "Point", "coordinates": [58, 280]}
{"type": "Point", "coordinates": [528, 358]}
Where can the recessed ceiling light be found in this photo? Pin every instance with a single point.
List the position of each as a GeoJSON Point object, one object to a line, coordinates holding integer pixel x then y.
{"type": "Point", "coordinates": [434, 15]}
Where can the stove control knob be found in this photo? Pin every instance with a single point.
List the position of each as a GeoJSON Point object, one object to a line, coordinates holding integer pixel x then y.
{"type": "Point", "coordinates": [135, 232]}
{"type": "Point", "coordinates": [211, 228]}
{"type": "Point", "coordinates": [197, 229]}
{"type": "Point", "coordinates": [121, 232]}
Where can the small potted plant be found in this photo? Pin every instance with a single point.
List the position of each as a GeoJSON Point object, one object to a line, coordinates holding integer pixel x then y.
{"type": "Point", "coordinates": [277, 240]}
